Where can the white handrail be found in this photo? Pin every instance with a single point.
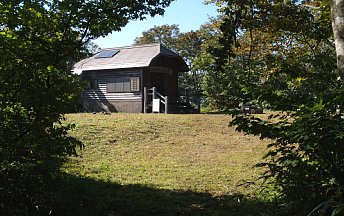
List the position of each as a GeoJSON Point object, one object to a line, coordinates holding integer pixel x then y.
{"type": "Point", "coordinates": [164, 99]}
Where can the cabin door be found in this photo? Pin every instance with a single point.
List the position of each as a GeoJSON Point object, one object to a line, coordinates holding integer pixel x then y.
{"type": "Point", "coordinates": [158, 81]}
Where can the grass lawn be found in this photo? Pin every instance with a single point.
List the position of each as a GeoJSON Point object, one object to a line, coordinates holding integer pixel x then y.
{"type": "Point", "coordinates": [156, 164]}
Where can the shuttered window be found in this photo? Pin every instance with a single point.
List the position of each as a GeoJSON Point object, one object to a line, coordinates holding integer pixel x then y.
{"type": "Point", "coordinates": [135, 84]}
{"type": "Point", "coordinates": [123, 85]}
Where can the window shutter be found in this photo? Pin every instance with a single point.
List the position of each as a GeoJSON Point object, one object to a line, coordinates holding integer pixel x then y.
{"type": "Point", "coordinates": [111, 87]}
{"type": "Point", "coordinates": [126, 86]}
{"type": "Point", "coordinates": [118, 86]}
{"type": "Point", "coordinates": [135, 84]}
{"type": "Point", "coordinates": [123, 85]}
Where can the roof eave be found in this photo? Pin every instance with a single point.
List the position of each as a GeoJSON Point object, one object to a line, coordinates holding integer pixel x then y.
{"type": "Point", "coordinates": [183, 66]}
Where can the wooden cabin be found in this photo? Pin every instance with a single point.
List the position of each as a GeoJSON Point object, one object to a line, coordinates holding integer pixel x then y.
{"type": "Point", "coordinates": [127, 79]}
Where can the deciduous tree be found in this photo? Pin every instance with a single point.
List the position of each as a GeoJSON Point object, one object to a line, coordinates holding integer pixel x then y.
{"type": "Point", "coordinates": [285, 50]}
{"type": "Point", "coordinates": [191, 46]}
{"type": "Point", "coordinates": [164, 34]}
{"type": "Point", "coordinates": [39, 40]}
{"type": "Point", "coordinates": [337, 10]}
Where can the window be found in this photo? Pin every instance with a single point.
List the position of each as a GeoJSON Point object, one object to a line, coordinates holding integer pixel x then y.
{"type": "Point", "coordinates": [135, 84]}
{"type": "Point", "coordinates": [107, 54]}
{"type": "Point", "coordinates": [119, 85]}
{"type": "Point", "coordinates": [123, 85]}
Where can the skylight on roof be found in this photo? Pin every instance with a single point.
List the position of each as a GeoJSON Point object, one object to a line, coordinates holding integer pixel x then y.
{"type": "Point", "coordinates": [107, 54]}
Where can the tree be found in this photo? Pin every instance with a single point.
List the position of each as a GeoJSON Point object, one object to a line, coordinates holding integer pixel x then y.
{"type": "Point", "coordinates": [164, 34]}
{"type": "Point", "coordinates": [285, 50]}
{"type": "Point", "coordinates": [337, 9]}
{"type": "Point", "coordinates": [194, 46]}
{"type": "Point", "coordinates": [190, 45]}
{"type": "Point", "coordinates": [39, 41]}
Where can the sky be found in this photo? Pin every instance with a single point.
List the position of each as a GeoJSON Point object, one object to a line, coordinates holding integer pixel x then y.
{"type": "Point", "coordinates": [188, 14]}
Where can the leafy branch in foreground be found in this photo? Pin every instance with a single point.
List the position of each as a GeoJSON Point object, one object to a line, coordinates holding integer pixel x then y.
{"type": "Point", "coordinates": [192, 46]}
{"type": "Point", "coordinates": [281, 55]}
{"type": "Point", "coordinates": [39, 40]}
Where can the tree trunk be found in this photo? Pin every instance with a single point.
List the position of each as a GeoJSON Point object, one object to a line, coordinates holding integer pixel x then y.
{"type": "Point", "coordinates": [337, 10]}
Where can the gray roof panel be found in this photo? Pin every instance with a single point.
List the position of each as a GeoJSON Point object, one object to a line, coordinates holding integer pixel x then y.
{"type": "Point", "coordinates": [128, 57]}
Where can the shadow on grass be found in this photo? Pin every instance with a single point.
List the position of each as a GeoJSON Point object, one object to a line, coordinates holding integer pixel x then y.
{"type": "Point", "coordinates": [84, 196]}
{"type": "Point", "coordinates": [216, 112]}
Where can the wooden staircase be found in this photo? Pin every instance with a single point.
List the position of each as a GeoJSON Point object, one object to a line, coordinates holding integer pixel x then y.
{"type": "Point", "coordinates": [150, 97]}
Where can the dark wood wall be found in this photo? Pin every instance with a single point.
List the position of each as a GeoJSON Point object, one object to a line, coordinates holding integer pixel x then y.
{"type": "Point", "coordinates": [98, 99]}
{"type": "Point", "coordinates": [95, 100]}
{"type": "Point", "coordinates": [170, 80]}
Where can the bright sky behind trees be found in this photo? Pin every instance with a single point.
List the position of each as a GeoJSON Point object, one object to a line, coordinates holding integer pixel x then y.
{"type": "Point", "coordinates": [188, 14]}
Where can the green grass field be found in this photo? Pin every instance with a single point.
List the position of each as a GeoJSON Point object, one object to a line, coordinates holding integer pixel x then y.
{"type": "Point", "coordinates": [156, 164]}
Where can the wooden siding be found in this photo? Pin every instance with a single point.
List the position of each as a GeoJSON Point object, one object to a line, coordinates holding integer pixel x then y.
{"type": "Point", "coordinates": [103, 77]}
{"type": "Point", "coordinates": [102, 94]}
{"type": "Point", "coordinates": [131, 106]}
{"type": "Point", "coordinates": [99, 99]}
{"type": "Point", "coordinates": [171, 80]}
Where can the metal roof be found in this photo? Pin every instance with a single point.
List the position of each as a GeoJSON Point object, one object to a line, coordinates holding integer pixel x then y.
{"type": "Point", "coordinates": [129, 57]}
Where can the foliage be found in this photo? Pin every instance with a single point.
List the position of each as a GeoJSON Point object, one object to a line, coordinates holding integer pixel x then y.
{"type": "Point", "coordinates": [39, 41]}
{"type": "Point", "coordinates": [224, 91]}
{"type": "Point", "coordinates": [332, 208]}
{"type": "Point", "coordinates": [191, 46]}
{"type": "Point", "coordinates": [164, 34]}
{"type": "Point", "coordinates": [281, 54]}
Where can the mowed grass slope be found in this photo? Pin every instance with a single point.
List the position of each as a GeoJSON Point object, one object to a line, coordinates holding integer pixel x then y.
{"type": "Point", "coordinates": [168, 153]}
